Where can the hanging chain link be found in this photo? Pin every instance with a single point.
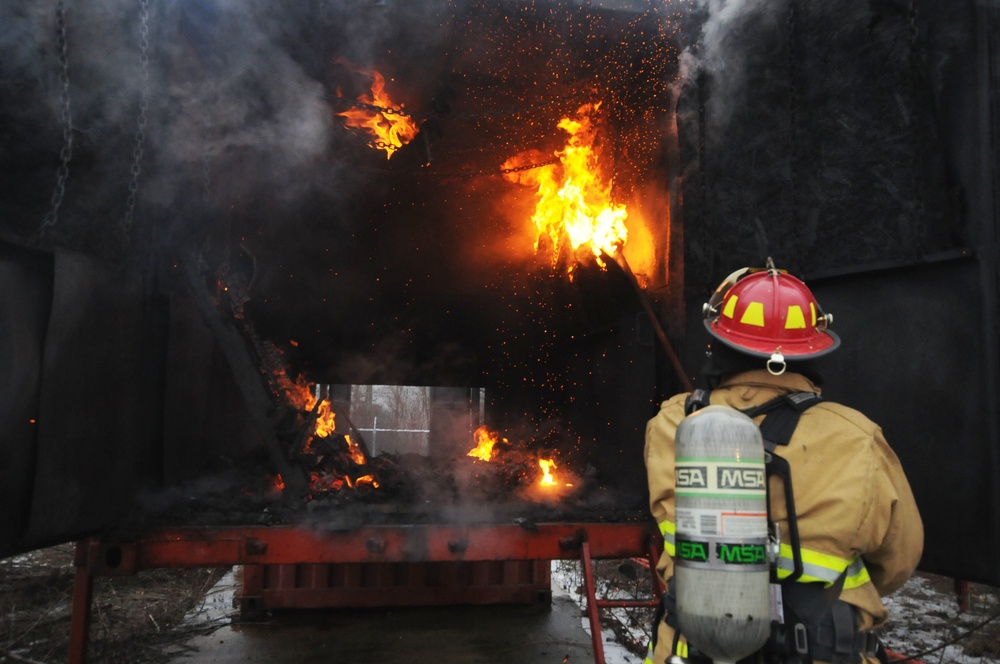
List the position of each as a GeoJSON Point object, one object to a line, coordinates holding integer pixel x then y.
{"type": "Point", "coordinates": [206, 172]}
{"type": "Point", "coordinates": [528, 167]}
{"type": "Point", "coordinates": [140, 131]}
{"type": "Point", "coordinates": [914, 58]}
{"type": "Point", "coordinates": [792, 117]}
{"type": "Point", "coordinates": [384, 110]}
{"type": "Point", "coordinates": [479, 115]}
{"type": "Point", "coordinates": [66, 154]}
{"type": "Point", "coordinates": [500, 112]}
{"type": "Point", "coordinates": [702, 145]}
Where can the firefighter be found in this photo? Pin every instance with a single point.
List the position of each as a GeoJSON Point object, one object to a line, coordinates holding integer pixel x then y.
{"type": "Point", "coordinates": [860, 536]}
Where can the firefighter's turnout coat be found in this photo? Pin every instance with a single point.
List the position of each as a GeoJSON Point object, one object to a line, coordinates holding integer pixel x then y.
{"type": "Point", "coordinates": [856, 512]}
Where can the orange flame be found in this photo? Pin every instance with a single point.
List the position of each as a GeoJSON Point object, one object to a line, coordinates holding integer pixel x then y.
{"type": "Point", "coordinates": [391, 127]}
{"type": "Point", "coordinates": [300, 394]}
{"type": "Point", "coordinates": [575, 210]}
{"type": "Point", "coordinates": [547, 465]}
{"type": "Point", "coordinates": [277, 483]}
{"type": "Point", "coordinates": [326, 420]}
{"type": "Point", "coordinates": [354, 450]}
{"type": "Point", "coordinates": [366, 479]}
{"type": "Point", "coordinates": [485, 440]}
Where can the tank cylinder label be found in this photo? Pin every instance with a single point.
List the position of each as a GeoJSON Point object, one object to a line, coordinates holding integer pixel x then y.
{"type": "Point", "coordinates": [703, 522]}
{"type": "Point", "coordinates": [721, 514]}
{"type": "Point", "coordinates": [715, 553]}
{"type": "Point", "coordinates": [711, 478]}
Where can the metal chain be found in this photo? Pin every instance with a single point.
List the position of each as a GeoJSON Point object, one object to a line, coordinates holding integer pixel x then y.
{"type": "Point", "coordinates": [528, 167]}
{"type": "Point", "coordinates": [140, 131]}
{"type": "Point", "coordinates": [517, 110]}
{"type": "Point", "coordinates": [502, 171]}
{"type": "Point", "coordinates": [914, 57]}
{"type": "Point", "coordinates": [206, 180]}
{"type": "Point", "coordinates": [792, 117]}
{"type": "Point", "coordinates": [498, 112]}
{"type": "Point", "coordinates": [66, 154]}
{"type": "Point", "coordinates": [702, 146]}
{"type": "Point", "coordinates": [384, 110]}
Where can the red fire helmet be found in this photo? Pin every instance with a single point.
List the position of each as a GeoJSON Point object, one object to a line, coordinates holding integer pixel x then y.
{"type": "Point", "coordinates": [766, 312]}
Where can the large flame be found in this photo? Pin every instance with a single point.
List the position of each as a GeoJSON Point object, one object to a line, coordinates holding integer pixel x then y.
{"type": "Point", "coordinates": [391, 127]}
{"type": "Point", "coordinates": [485, 440]}
{"type": "Point", "coordinates": [574, 209]}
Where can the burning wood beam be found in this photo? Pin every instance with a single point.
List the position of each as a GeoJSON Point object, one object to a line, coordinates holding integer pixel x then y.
{"type": "Point", "coordinates": [248, 379]}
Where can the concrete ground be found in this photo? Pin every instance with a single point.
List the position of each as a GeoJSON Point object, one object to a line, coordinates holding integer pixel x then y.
{"type": "Point", "coordinates": [547, 633]}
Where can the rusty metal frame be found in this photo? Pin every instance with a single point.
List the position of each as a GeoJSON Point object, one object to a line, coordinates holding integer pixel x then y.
{"type": "Point", "coordinates": [224, 547]}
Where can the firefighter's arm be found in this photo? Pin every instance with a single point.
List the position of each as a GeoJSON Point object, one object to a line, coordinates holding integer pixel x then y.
{"type": "Point", "coordinates": [895, 556]}
{"type": "Point", "coordinates": [659, 458]}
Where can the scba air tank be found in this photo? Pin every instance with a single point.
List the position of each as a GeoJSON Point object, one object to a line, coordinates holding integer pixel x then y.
{"type": "Point", "coordinates": [721, 567]}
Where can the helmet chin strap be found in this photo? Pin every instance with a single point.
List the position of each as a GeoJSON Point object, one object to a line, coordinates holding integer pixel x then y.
{"type": "Point", "coordinates": [776, 365]}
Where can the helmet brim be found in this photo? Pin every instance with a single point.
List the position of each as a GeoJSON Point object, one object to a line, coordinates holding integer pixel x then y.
{"type": "Point", "coordinates": [824, 343]}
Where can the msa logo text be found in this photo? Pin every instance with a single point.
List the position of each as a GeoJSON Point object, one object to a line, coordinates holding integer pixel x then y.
{"type": "Point", "coordinates": [740, 478]}
{"type": "Point", "coordinates": [741, 554]}
{"type": "Point", "coordinates": [694, 551]}
{"type": "Point", "coordinates": [692, 477]}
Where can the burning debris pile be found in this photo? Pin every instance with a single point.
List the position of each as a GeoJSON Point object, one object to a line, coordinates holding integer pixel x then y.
{"type": "Point", "coordinates": [341, 469]}
{"type": "Point", "coordinates": [343, 478]}
{"type": "Point", "coordinates": [317, 459]}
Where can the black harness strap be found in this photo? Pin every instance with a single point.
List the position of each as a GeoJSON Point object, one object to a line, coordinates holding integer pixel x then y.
{"type": "Point", "coordinates": [782, 416]}
{"type": "Point", "coordinates": [697, 400]}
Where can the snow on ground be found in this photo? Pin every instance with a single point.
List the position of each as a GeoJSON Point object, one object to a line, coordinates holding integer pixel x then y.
{"type": "Point", "coordinates": [567, 578]}
{"type": "Point", "coordinates": [218, 605]}
{"type": "Point", "coordinates": [924, 618]}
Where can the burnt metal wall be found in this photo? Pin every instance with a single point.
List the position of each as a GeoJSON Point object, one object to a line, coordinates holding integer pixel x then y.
{"type": "Point", "coordinates": [24, 311]}
{"type": "Point", "coordinates": [876, 183]}
{"type": "Point", "coordinates": [83, 350]}
{"type": "Point", "coordinates": [915, 359]}
{"type": "Point", "coordinates": [110, 391]}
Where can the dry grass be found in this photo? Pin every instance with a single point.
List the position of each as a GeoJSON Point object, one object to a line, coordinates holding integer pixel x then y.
{"type": "Point", "coordinates": [133, 618]}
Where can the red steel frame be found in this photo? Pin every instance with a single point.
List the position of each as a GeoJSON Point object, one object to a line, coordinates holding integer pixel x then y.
{"type": "Point", "coordinates": [366, 585]}
{"type": "Point", "coordinates": [225, 547]}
